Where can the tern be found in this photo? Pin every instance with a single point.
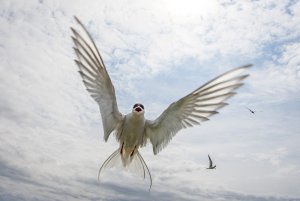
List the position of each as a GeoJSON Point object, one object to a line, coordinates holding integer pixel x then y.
{"type": "Point", "coordinates": [132, 131]}
{"type": "Point", "coordinates": [211, 166]}
{"type": "Point", "coordinates": [252, 111]}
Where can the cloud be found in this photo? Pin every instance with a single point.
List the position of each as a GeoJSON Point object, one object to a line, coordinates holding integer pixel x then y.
{"type": "Point", "coordinates": [278, 79]}
{"type": "Point", "coordinates": [59, 188]}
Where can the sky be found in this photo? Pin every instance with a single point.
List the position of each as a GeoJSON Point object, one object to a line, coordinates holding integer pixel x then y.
{"type": "Point", "coordinates": [51, 137]}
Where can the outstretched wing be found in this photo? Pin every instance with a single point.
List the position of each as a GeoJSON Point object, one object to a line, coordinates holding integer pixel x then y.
{"type": "Point", "coordinates": [96, 78]}
{"type": "Point", "coordinates": [194, 108]}
{"type": "Point", "coordinates": [210, 161]}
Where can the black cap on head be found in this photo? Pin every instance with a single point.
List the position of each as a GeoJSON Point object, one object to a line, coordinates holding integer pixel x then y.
{"type": "Point", "coordinates": [138, 105]}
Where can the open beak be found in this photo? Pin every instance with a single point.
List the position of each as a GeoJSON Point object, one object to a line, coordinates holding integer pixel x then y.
{"type": "Point", "coordinates": [138, 109]}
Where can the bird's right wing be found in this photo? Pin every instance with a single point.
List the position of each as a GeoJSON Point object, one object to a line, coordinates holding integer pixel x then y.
{"type": "Point", "coordinates": [96, 78]}
{"type": "Point", "coordinates": [194, 108]}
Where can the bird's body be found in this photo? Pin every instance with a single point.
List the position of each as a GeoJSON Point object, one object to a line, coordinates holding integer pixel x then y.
{"type": "Point", "coordinates": [131, 135]}
{"type": "Point", "coordinates": [133, 130]}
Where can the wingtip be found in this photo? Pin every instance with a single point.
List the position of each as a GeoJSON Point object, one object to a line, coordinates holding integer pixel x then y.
{"type": "Point", "coordinates": [239, 68]}
{"type": "Point", "coordinates": [74, 40]}
{"type": "Point", "coordinates": [77, 62]}
{"type": "Point", "coordinates": [245, 76]}
{"type": "Point", "coordinates": [78, 21]}
{"type": "Point", "coordinates": [76, 18]}
{"type": "Point", "coordinates": [76, 50]}
{"type": "Point", "coordinates": [248, 65]}
{"type": "Point", "coordinates": [73, 30]}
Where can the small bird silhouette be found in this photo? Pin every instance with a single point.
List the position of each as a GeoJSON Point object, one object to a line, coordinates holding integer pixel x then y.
{"type": "Point", "coordinates": [252, 111]}
{"type": "Point", "coordinates": [211, 166]}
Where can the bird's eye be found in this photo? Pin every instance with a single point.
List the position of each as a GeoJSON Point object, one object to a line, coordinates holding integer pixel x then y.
{"type": "Point", "coordinates": [142, 106]}
{"type": "Point", "coordinates": [135, 105]}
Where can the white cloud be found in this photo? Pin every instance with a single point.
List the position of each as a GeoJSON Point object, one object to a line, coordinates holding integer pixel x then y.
{"type": "Point", "coordinates": [279, 79]}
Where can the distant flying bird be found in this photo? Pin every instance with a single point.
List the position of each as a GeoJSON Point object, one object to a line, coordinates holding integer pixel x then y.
{"type": "Point", "coordinates": [252, 111]}
{"type": "Point", "coordinates": [211, 166]}
{"type": "Point", "coordinates": [132, 130]}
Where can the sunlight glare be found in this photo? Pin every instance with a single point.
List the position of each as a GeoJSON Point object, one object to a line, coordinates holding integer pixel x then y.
{"type": "Point", "coordinates": [189, 9]}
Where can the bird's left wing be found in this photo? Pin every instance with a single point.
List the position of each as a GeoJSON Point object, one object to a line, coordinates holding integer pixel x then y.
{"type": "Point", "coordinates": [210, 161]}
{"type": "Point", "coordinates": [96, 78]}
{"type": "Point", "coordinates": [194, 108]}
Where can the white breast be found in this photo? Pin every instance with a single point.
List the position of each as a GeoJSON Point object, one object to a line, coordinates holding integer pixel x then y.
{"type": "Point", "coordinates": [133, 130]}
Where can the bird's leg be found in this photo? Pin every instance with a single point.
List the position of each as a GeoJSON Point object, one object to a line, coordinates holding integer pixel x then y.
{"type": "Point", "coordinates": [121, 150]}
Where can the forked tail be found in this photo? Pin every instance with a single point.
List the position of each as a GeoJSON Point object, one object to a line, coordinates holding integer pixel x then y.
{"type": "Point", "coordinates": [137, 165]}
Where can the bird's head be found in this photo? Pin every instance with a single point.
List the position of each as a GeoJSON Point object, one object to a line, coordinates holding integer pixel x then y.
{"type": "Point", "coordinates": [138, 109]}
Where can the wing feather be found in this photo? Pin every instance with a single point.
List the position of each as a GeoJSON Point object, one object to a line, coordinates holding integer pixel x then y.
{"type": "Point", "coordinates": [194, 108]}
{"type": "Point", "coordinates": [210, 161]}
{"type": "Point", "coordinates": [95, 78]}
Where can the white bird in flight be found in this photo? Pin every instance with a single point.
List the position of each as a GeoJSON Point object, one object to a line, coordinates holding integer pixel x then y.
{"type": "Point", "coordinates": [132, 130]}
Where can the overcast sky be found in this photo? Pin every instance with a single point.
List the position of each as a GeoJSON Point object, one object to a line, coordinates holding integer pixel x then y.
{"type": "Point", "coordinates": [51, 138]}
